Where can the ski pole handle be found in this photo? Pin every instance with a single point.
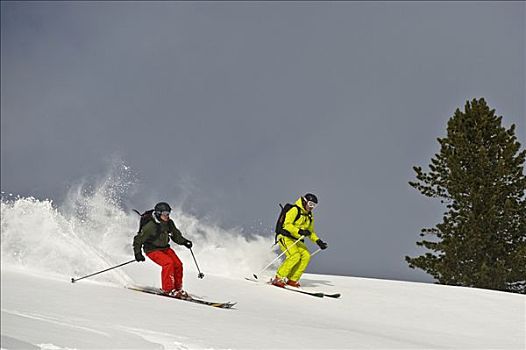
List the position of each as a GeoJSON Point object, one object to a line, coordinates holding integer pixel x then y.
{"type": "Point", "coordinates": [279, 256]}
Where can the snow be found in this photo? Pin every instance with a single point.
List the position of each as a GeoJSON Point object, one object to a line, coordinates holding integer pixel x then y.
{"type": "Point", "coordinates": [44, 246]}
{"type": "Point", "coordinates": [50, 312]}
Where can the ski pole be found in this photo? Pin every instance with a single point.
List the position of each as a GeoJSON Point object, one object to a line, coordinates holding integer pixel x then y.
{"type": "Point", "coordinates": [73, 280]}
{"type": "Point", "coordinates": [316, 252]}
{"type": "Point", "coordinates": [200, 275]}
{"type": "Point", "coordinates": [279, 256]}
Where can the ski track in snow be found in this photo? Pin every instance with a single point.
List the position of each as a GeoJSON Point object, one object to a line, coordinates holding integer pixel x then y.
{"type": "Point", "coordinates": [167, 341]}
{"type": "Point", "coordinates": [63, 323]}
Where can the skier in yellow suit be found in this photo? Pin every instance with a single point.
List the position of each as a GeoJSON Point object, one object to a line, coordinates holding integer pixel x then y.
{"type": "Point", "coordinates": [298, 222]}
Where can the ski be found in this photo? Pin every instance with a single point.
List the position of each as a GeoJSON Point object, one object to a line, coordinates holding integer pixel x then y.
{"type": "Point", "coordinates": [294, 289]}
{"type": "Point", "coordinates": [316, 293]}
{"type": "Point", "coordinates": [333, 295]}
{"type": "Point", "coordinates": [300, 290]}
{"type": "Point", "coordinates": [156, 291]}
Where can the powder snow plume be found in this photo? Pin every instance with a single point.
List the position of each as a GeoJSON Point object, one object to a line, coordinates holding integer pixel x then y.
{"type": "Point", "coordinates": [91, 231]}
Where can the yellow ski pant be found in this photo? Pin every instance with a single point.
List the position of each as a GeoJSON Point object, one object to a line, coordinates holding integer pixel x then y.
{"type": "Point", "coordinates": [296, 261]}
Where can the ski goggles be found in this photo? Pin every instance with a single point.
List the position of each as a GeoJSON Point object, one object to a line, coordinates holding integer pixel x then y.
{"type": "Point", "coordinates": [311, 205]}
{"type": "Point", "coordinates": [167, 213]}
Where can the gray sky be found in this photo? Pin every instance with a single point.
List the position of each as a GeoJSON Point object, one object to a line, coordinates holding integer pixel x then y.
{"type": "Point", "coordinates": [230, 108]}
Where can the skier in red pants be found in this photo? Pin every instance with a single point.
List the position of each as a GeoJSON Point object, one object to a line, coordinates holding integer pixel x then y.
{"type": "Point", "coordinates": [154, 238]}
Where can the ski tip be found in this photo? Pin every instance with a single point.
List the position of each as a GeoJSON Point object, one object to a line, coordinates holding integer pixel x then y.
{"type": "Point", "coordinates": [336, 296]}
{"type": "Point", "coordinates": [227, 305]}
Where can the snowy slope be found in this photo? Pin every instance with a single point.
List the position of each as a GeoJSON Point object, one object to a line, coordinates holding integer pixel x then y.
{"type": "Point", "coordinates": [43, 246]}
{"type": "Point", "coordinates": [50, 312]}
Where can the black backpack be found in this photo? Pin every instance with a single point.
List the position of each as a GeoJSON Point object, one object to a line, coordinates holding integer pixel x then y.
{"type": "Point", "coordinates": [281, 218]}
{"type": "Point", "coordinates": [146, 217]}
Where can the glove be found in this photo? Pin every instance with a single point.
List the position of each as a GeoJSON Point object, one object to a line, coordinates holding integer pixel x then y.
{"type": "Point", "coordinates": [139, 257]}
{"type": "Point", "coordinates": [305, 233]}
{"type": "Point", "coordinates": [321, 244]}
{"type": "Point", "coordinates": [188, 244]}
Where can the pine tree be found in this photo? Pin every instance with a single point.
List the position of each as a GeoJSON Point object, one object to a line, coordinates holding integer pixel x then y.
{"type": "Point", "coordinates": [479, 176]}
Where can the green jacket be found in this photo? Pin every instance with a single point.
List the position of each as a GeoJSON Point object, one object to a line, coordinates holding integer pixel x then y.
{"type": "Point", "coordinates": [304, 222]}
{"type": "Point", "coordinates": [152, 238]}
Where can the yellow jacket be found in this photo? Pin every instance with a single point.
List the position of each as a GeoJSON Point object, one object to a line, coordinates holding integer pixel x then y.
{"type": "Point", "coordinates": [304, 222]}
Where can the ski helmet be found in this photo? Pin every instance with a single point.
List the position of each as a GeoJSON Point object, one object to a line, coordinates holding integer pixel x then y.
{"type": "Point", "coordinates": [309, 197]}
{"type": "Point", "coordinates": [161, 207]}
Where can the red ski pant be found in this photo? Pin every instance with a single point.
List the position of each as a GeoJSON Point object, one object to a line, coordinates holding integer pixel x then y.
{"type": "Point", "coordinates": [172, 268]}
